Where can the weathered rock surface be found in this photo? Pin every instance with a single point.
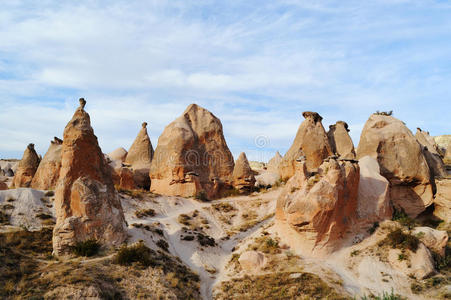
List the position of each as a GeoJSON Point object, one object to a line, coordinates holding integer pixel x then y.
{"type": "Point", "coordinates": [442, 200]}
{"type": "Point", "coordinates": [319, 207]}
{"type": "Point", "coordinates": [447, 158]}
{"type": "Point", "coordinates": [273, 164]}
{"type": "Point", "coordinates": [374, 193]}
{"type": "Point", "coordinates": [435, 240]}
{"type": "Point", "coordinates": [48, 171]}
{"type": "Point", "coordinates": [192, 156]}
{"type": "Point", "coordinates": [443, 142]}
{"type": "Point", "coordinates": [340, 141]}
{"type": "Point", "coordinates": [119, 154]}
{"type": "Point", "coordinates": [3, 185]}
{"type": "Point", "coordinates": [401, 161]}
{"type": "Point", "coordinates": [140, 157]}
{"type": "Point", "coordinates": [86, 203]}
{"type": "Point", "coordinates": [311, 141]}
{"type": "Point", "coordinates": [421, 262]}
{"type": "Point", "coordinates": [27, 168]}
{"type": "Point", "coordinates": [243, 176]}
{"type": "Point", "coordinates": [252, 261]}
{"type": "Point", "coordinates": [432, 154]}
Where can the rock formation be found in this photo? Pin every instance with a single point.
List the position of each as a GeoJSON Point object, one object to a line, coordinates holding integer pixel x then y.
{"type": "Point", "coordinates": [139, 157]}
{"type": "Point", "coordinates": [315, 210]}
{"type": "Point", "coordinates": [311, 141]}
{"type": "Point", "coordinates": [374, 193]}
{"type": "Point", "coordinates": [435, 240]}
{"type": "Point", "coordinates": [447, 157]}
{"type": "Point", "coordinates": [340, 141]}
{"type": "Point", "coordinates": [86, 203]}
{"type": "Point", "coordinates": [243, 177]}
{"type": "Point", "coordinates": [442, 200]}
{"type": "Point", "coordinates": [192, 156]}
{"type": "Point", "coordinates": [443, 142]}
{"type": "Point", "coordinates": [252, 261]}
{"type": "Point", "coordinates": [118, 155]}
{"type": "Point", "coordinates": [48, 171]}
{"type": "Point", "coordinates": [27, 168]}
{"type": "Point", "coordinates": [401, 161]}
{"type": "Point", "coordinates": [432, 154]}
{"type": "Point", "coordinates": [3, 185]}
{"type": "Point", "coordinates": [123, 176]}
{"type": "Point", "coordinates": [273, 164]}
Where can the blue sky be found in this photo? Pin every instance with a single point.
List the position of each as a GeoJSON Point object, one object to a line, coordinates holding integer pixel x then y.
{"type": "Point", "coordinates": [257, 65]}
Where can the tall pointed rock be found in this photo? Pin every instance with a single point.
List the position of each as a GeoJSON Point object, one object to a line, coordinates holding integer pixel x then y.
{"type": "Point", "coordinates": [192, 156]}
{"type": "Point", "coordinates": [340, 140]}
{"type": "Point", "coordinates": [243, 176]}
{"type": "Point", "coordinates": [48, 171]}
{"type": "Point", "coordinates": [140, 157]}
{"type": "Point", "coordinates": [86, 203]}
{"type": "Point", "coordinates": [27, 168]}
{"type": "Point", "coordinates": [311, 141]}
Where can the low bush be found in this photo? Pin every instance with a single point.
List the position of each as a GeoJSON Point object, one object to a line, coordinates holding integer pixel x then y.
{"type": "Point", "coordinates": [400, 240]}
{"type": "Point", "coordinates": [163, 245]}
{"type": "Point", "coordinates": [142, 213]}
{"type": "Point", "coordinates": [49, 194]}
{"type": "Point", "coordinates": [86, 248]}
{"type": "Point", "coordinates": [402, 218]}
{"type": "Point", "coordinates": [202, 196]}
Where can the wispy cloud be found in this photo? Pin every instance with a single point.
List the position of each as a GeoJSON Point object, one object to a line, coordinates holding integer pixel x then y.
{"type": "Point", "coordinates": [255, 64]}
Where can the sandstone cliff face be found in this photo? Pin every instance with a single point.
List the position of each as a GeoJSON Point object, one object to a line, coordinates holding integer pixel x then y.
{"type": "Point", "coordinates": [86, 203]}
{"type": "Point", "coordinates": [319, 208]}
{"type": "Point", "coordinates": [311, 141]}
{"type": "Point", "coordinates": [192, 156]}
{"type": "Point", "coordinates": [442, 200]}
{"type": "Point", "coordinates": [431, 152]}
{"type": "Point", "coordinates": [243, 177]}
{"type": "Point", "coordinates": [140, 157]}
{"type": "Point", "coordinates": [48, 171]}
{"type": "Point", "coordinates": [27, 168]}
{"type": "Point", "coordinates": [401, 161]}
{"type": "Point", "coordinates": [340, 141]}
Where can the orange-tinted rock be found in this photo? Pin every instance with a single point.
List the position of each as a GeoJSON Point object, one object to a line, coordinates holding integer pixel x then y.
{"type": "Point", "coordinates": [27, 168]}
{"type": "Point", "coordinates": [86, 203]}
{"type": "Point", "coordinates": [401, 161]}
{"type": "Point", "coordinates": [442, 200]}
{"type": "Point", "coordinates": [311, 141]}
{"type": "Point", "coordinates": [140, 156]}
{"type": "Point", "coordinates": [48, 171]}
{"type": "Point", "coordinates": [243, 176]}
{"type": "Point", "coordinates": [314, 211]}
{"type": "Point", "coordinates": [192, 156]}
{"type": "Point", "coordinates": [340, 141]}
{"type": "Point", "coordinates": [3, 185]}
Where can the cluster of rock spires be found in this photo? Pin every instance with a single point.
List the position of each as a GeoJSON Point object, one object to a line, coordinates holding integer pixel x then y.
{"type": "Point", "coordinates": [333, 191]}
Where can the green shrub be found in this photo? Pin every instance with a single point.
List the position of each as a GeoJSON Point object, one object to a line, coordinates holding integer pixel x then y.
{"type": "Point", "coordinates": [86, 248]}
{"type": "Point", "coordinates": [163, 245]}
{"type": "Point", "coordinates": [373, 228]}
{"type": "Point", "coordinates": [402, 218]}
{"type": "Point", "coordinates": [398, 239]}
{"type": "Point", "coordinates": [184, 219]}
{"type": "Point", "coordinates": [142, 213]}
{"type": "Point", "coordinates": [49, 194]}
{"type": "Point", "coordinates": [137, 253]}
{"type": "Point", "coordinates": [202, 196]}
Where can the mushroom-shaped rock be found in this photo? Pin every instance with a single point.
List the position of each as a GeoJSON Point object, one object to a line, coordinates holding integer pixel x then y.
{"type": "Point", "coordinates": [315, 210]}
{"type": "Point", "coordinates": [243, 177]}
{"type": "Point", "coordinates": [311, 141]}
{"type": "Point", "coordinates": [86, 203]}
{"type": "Point", "coordinates": [401, 161]}
{"type": "Point", "coordinates": [193, 142]}
{"type": "Point", "coordinates": [340, 141]}
{"type": "Point", "coordinates": [140, 157]}
{"type": "Point", "coordinates": [374, 193]}
{"type": "Point", "coordinates": [431, 153]}
{"type": "Point", "coordinates": [48, 171]}
{"type": "Point", "coordinates": [27, 168]}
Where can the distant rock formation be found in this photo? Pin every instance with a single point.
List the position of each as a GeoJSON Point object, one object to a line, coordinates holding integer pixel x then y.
{"type": "Point", "coordinates": [401, 161]}
{"type": "Point", "coordinates": [311, 141]}
{"type": "Point", "coordinates": [86, 203]}
{"type": "Point", "coordinates": [431, 152]}
{"type": "Point", "coordinates": [270, 176]}
{"type": "Point", "coordinates": [118, 155]}
{"type": "Point", "coordinates": [243, 177]}
{"type": "Point", "coordinates": [123, 176]}
{"type": "Point", "coordinates": [443, 142]}
{"type": "Point", "coordinates": [27, 168]}
{"type": "Point", "coordinates": [48, 171]}
{"type": "Point", "coordinates": [192, 156]}
{"type": "Point", "coordinates": [140, 157]}
{"type": "Point", "coordinates": [274, 163]}
{"type": "Point", "coordinates": [340, 141]}
{"type": "Point", "coordinates": [315, 210]}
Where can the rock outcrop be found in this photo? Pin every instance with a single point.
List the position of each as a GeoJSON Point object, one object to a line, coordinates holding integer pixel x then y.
{"type": "Point", "coordinates": [252, 261]}
{"type": "Point", "coordinates": [192, 156]}
{"type": "Point", "coordinates": [340, 141]}
{"type": "Point", "coordinates": [311, 141]}
{"type": "Point", "coordinates": [86, 203]}
{"type": "Point", "coordinates": [435, 240]}
{"type": "Point", "coordinates": [118, 155]}
{"type": "Point", "coordinates": [123, 176]}
{"type": "Point", "coordinates": [374, 193]}
{"type": "Point", "coordinates": [270, 176]}
{"type": "Point", "coordinates": [443, 142]}
{"type": "Point", "coordinates": [274, 163]}
{"type": "Point", "coordinates": [27, 168]}
{"type": "Point", "coordinates": [140, 157]}
{"type": "Point", "coordinates": [243, 177]}
{"type": "Point", "coordinates": [315, 210]}
{"type": "Point", "coordinates": [401, 161]}
{"type": "Point", "coordinates": [442, 200]}
{"type": "Point", "coordinates": [3, 185]}
{"type": "Point", "coordinates": [48, 171]}
{"type": "Point", "coordinates": [432, 154]}
{"type": "Point", "coordinates": [447, 157]}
